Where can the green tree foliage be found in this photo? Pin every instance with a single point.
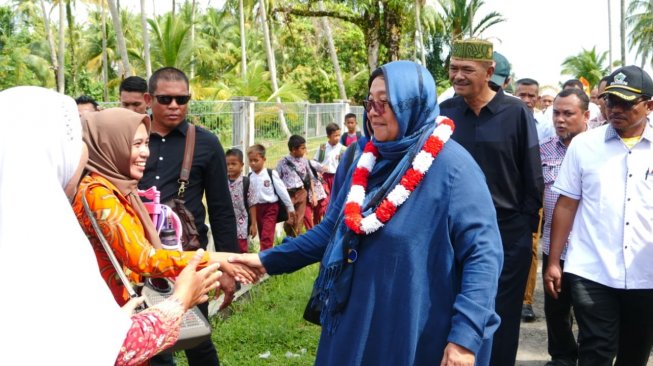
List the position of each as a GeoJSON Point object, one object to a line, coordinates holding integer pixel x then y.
{"type": "Point", "coordinates": [640, 21]}
{"type": "Point", "coordinates": [588, 64]}
{"type": "Point", "coordinates": [366, 33]}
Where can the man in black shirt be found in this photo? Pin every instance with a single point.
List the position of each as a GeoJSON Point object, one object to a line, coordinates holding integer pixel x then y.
{"type": "Point", "coordinates": [169, 92]}
{"type": "Point", "coordinates": [499, 132]}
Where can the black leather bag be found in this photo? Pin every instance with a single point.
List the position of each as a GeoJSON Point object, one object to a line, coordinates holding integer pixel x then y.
{"type": "Point", "coordinates": [282, 214]}
{"type": "Point", "coordinates": [190, 236]}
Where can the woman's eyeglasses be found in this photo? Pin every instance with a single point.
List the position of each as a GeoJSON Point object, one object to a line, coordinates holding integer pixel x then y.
{"type": "Point", "coordinates": [167, 99]}
{"type": "Point", "coordinates": [612, 102]}
{"type": "Point", "coordinates": [378, 105]}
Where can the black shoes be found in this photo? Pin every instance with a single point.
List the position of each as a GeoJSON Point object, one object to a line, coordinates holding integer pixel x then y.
{"type": "Point", "coordinates": [527, 314]}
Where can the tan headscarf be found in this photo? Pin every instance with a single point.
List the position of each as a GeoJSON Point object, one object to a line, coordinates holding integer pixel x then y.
{"type": "Point", "coordinates": [109, 135]}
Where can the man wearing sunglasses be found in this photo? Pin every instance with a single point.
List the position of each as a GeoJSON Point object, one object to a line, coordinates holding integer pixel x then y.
{"type": "Point", "coordinates": [606, 192]}
{"type": "Point", "coordinates": [169, 92]}
{"type": "Point", "coordinates": [499, 132]}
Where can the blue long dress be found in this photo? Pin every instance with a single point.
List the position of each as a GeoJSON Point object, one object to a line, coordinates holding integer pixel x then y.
{"type": "Point", "coordinates": [428, 277]}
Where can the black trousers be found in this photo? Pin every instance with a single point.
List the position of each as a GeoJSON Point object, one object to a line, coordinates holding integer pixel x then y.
{"type": "Point", "coordinates": [203, 354]}
{"type": "Point", "coordinates": [562, 343]}
{"type": "Point", "coordinates": [611, 322]}
{"type": "Point", "coordinates": [517, 255]}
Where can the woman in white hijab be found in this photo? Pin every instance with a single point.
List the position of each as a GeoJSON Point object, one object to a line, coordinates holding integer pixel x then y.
{"type": "Point", "coordinates": [55, 307]}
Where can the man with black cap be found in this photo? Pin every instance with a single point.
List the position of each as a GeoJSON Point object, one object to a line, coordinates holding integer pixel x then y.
{"type": "Point", "coordinates": [499, 132]}
{"type": "Point", "coordinates": [606, 192]}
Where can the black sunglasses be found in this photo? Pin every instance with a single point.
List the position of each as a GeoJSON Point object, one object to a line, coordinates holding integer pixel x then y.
{"type": "Point", "coordinates": [612, 102]}
{"type": "Point", "coordinates": [378, 105]}
{"type": "Point", "coordinates": [167, 99]}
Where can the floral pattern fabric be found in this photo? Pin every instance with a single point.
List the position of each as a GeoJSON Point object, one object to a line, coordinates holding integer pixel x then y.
{"type": "Point", "coordinates": [123, 230]}
{"type": "Point", "coordinates": [152, 331]}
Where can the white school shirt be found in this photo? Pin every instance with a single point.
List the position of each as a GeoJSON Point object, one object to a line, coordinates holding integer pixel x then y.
{"type": "Point", "coordinates": [612, 238]}
{"type": "Point", "coordinates": [331, 157]}
{"type": "Point", "coordinates": [263, 192]}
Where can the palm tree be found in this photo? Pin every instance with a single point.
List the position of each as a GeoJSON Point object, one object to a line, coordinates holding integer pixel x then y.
{"type": "Point", "coordinates": [61, 80]}
{"type": "Point", "coordinates": [587, 64]}
{"type": "Point", "coordinates": [170, 45]}
{"type": "Point", "coordinates": [272, 66]}
{"type": "Point", "coordinates": [48, 33]}
{"type": "Point", "coordinates": [419, 37]}
{"type": "Point", "coordinates": [146, 42]}
{"type": "Point", "coordinates": [640, 22]}
{"type": "Point", "coordinates": [120, 36]}
{"type": "Point", "coordinates": [622, 31]}
{"type": "Point", "coordinates": [458, 15]}
{"type": "Point", "coordinates": [243, 41]}
{"type": "Point", "coordinates": [332, 52]}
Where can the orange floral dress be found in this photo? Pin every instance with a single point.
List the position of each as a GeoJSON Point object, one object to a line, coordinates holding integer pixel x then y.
{"type": "Point", "coordinates": [124, 232]}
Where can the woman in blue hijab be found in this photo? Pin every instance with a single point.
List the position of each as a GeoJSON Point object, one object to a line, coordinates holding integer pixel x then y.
{"type": "Point", "coordinates": [409, 268]}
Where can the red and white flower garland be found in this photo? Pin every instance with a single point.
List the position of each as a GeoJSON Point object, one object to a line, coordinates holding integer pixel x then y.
{"type": "Point", "coordinates": [400, 193]}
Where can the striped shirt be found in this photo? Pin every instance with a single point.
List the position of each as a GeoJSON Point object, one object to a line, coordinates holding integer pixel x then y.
{"type": "Point", "coordinates": [552, 152]}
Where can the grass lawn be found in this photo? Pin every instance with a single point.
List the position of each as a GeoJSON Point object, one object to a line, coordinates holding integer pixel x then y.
{"type": "Point", "coordinates": [269, 320]}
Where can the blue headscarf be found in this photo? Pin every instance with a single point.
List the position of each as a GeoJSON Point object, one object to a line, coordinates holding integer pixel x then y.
{"type": "Point", "coordinates": [411, 94]}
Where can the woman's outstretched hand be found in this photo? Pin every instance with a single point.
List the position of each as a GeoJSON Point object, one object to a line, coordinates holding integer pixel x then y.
{"type": "Point", "coordinates": [240, 272]}
{"type": "Point", "coordinates": [251, 260]}
{"type": "Point", "coordinates": [192, 286]}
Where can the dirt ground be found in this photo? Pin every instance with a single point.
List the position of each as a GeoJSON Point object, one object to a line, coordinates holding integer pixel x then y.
{"type": "Point", "coordinates": [532, 336]}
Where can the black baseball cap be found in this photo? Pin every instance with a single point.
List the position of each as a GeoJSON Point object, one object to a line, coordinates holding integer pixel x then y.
{"type": "Point", "coordinates": [629, 83]}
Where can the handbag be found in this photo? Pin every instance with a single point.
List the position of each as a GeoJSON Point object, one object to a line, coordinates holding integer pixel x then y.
{"type": "Point", "coordinates": [313, 308]}
{"type": "Point", "coordinates": [194, 328]}
{"type": "Point", "coordinates": [282, 214]}
{"type": "Point", "coordinates": [190, 237]}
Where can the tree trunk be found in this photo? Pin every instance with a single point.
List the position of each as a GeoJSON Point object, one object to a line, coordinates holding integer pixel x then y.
{"type": "Point", "coordinates": [146, 41]}
{"type": "Point", "coordinates": [373, 44]}
{"type": "Point", "coordinates": [609, 36]}
{"type": "Point", "coordinates": [623, 32]}
{"type": "Point", "coordinates": [392, 21]}
{"type": "Point", "coordinates": [48, 34]}
{"type": "Point", "coordinates": [272, 66]}
{"type": "Point", "coordinates": [243, 42]}
{"type": "Point", "coordinates": [105, 61]}
{"type": "Point", "coordinates": [192, 39]}
{"type": "Point", "coordinates": [333, 54]}
{"type": "Point", "coordinates": [419, 39]}
{"type": "Point", "coordinates": [120, 37]}
{"type": "Point", "coordinates": [61, 80]}
{"type": "Point", "coordinates": [71, 44]}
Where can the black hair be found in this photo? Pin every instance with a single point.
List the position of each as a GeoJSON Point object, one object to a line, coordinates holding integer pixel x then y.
{"type": "Point", "coordinates": [331, 128]}
{"type": "Point", "coordinates": [256, 149]}
{"type": "Point", "coordinates": [235, 152]}
{"type": "Point", "coordinates": [528, 81]}
{"type": "Point", "coordinates": [376, 73]}
{"type": "Point", "coordinates": [573, 83]}
{"type": "Point", "coordinates": [350, 115]}
{"type": "Point", "coordinates": [133, 84]}
{"type": "Point", "coordinates": [85, 99]}
{"type": "Point", "coordinates": [295, 141]}
{"type": "Point", "coordinates": [167, 74]}
{"type": "Point", "coordinates": [579, 93]}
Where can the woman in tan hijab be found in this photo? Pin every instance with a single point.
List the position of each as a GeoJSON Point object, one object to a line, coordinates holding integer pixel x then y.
{"type": "Point", "coordinates": [117, 142]}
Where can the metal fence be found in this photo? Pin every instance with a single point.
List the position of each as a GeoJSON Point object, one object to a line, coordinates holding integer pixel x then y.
{"type": "Point", "coordinates": [242, 122]}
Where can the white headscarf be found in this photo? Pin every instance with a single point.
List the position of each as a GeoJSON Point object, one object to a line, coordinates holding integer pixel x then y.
{"type": "Point", "coordinates": [54, 307]}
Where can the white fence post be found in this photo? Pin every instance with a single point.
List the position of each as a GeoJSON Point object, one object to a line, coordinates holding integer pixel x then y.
{"type": "Point", "coordinates": [307, 109]}
{"type": "Point", "coordinates": [343, 109]}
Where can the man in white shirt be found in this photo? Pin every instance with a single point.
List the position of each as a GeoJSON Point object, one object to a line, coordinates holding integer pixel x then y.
{"type": "Point", "coordinates": [606, 194]}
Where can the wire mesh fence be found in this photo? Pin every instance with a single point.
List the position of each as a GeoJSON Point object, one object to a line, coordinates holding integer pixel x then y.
{"type": "Point", "coordinates": [243, 122]}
